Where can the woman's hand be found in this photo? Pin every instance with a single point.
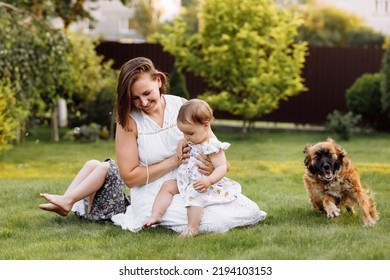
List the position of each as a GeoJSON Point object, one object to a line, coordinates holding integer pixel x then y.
{"type": "Point", "coordinates": [182, 150]}
{"type": "Point", "coordinates": [205, 166]}
{"type": "Point", "coordinates": [185, 154]}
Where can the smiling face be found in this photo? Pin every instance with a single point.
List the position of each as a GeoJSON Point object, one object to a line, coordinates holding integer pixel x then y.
{"type": "Point", "coordinates": [324, 159]}
{"type": "Point", "coordinates": [145, 93]}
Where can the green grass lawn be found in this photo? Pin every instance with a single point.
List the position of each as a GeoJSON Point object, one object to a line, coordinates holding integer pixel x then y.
{"type": "Point", "coordinates": [269, 166]}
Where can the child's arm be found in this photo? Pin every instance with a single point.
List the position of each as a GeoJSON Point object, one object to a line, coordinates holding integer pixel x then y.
{"type": "Point", "coordinates": [220, 164]}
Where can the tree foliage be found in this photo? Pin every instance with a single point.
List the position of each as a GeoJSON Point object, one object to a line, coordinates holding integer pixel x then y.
{"type": "Point", "coordinates": [146, 19]}
{"type": "Point", "coordinates": [247, 55]}
{"type": "Point", "coordinates": [43, 64]}
{"type": "Point", "coordinates": [327, 26]}
{"type": "Point", "coordinates": [68, 10]}
{"type": "Point", "coordinates": [32, 59]}
{"type": "Point", "coordinates": [86, 69]}
{"type": "Point", "coordinates": [10, 114]}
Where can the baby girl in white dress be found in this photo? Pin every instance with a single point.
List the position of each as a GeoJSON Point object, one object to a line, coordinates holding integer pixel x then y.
{"type": "Point", "coordinates": [198, 191]}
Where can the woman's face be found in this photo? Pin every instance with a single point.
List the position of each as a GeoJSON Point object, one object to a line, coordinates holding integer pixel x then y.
{"type": "Point", "coordinates": [145, 93]}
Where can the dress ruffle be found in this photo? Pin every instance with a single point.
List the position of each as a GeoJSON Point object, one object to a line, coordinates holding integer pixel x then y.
{"type": "Point", "coordinates": [213, 145]}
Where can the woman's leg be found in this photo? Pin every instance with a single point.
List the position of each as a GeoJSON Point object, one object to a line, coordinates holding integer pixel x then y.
{"type": "Point", "coordinates": [86, 183]}
{"type": "Point", "coordinates": [162, 202]}
{"type": "Point", "coordinates": [194, 214]}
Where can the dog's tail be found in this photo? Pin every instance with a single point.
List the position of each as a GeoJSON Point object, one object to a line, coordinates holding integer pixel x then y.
{"type": "Point", "coordinates": [372, 206]}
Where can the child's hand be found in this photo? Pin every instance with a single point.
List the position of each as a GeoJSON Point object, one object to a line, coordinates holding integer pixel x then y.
{"type": "Point", "coordinates": [201, 185]}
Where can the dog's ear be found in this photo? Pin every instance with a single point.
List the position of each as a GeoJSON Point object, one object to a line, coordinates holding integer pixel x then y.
{"type": "Point", "coordinates": [306, 149]}
{"type": "Point", "coordinates": [341, 153]}
{"type": "Point", "coordinates": [307, 159]}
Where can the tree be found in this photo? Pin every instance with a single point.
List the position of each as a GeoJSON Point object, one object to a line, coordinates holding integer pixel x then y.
{"type": "Point", "coordinates": [146, 19]}
{"type": "Point", "coordinates": [44, 64]}
{"type": "Point", "coordinates": [68, 10]}
{"type": "Point", "coordinates": [32, 60]}
{"type": "Point", "coordinates": [86, 70]}
{"type": "Point", "coordinates": [190, 9]}
{"type": "Point", "coordinates": [327, 26]}
{"type": "Point", "coordinates": [247, 55]}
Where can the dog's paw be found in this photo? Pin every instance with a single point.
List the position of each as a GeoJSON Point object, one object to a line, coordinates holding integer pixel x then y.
{"type": "Point", "coordinates": [369, 222]}
{"type": "Point", "coordinates": [333, 212]}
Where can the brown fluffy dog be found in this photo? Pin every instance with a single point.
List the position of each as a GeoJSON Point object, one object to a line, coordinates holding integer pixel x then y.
{"type": "Point", "coordinates": [333, 182]}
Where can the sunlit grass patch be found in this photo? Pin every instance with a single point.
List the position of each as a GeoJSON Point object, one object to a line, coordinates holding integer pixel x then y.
{"type": "Point", "coordinates": [378, 168]}
{"type": "Point", "coordinates": [37, 169]}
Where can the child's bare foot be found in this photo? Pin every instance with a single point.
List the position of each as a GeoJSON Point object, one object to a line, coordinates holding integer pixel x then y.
{"type": "Point", "coordinates": [58, 200]}
{"type": "Point", "coordinates": [154, 219]}
{"type": "Point", "coordinates": [54, 208]}
{"type": "Point", "coordinates": [190, 232]}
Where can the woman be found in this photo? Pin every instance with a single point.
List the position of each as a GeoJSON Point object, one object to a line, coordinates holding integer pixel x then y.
{"type": "Point", "coordinates": [96, 192]}
{"type": "Point", "coordinates": [146, 141]}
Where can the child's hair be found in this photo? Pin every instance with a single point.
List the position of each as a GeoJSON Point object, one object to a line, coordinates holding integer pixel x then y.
{"type": "Point", "coordinates": [195, 111]}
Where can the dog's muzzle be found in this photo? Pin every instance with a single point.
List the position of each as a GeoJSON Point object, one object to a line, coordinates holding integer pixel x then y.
{"type": "Point", "coordinates": [327, 171]}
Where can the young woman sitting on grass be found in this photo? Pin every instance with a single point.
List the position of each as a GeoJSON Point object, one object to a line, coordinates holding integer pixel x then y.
{"type": "Point", "coordinates": [145, 143]}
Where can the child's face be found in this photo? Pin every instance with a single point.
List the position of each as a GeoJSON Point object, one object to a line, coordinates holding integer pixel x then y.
{"type": "Point", "coordinates": [195, 133]}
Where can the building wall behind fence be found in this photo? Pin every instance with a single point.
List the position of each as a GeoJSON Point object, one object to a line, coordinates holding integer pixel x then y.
{"type": "Point", "coordinates": [327, 74]}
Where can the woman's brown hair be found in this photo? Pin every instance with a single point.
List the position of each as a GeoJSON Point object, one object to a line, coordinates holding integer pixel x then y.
{"type": "Point", "coordinates": [129, 73]}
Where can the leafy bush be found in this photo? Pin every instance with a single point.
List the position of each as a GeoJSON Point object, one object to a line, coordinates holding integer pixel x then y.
{"type": "Point", "coordinates": [341, 124]}
{"type": "Point", "coordinates": [364, 36]}
{"type": "Point", "coordinates": [385, 98]}
{"type": "Point", "coordinates": [364, 98]}
{"type": "Point", "coordinates": [88, 74]}
{"type": "Point", "coordinates": [8, 118]}
{"type": "Point", "coordinates": [85, 133]}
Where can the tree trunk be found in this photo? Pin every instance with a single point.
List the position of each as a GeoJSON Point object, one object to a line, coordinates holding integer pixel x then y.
{"type": "Point", "coordinates": [21, 133]}
{"type": "Point", "coordinates": [244, 131]}
{"type": "Point", "coordinates": [54, 124]}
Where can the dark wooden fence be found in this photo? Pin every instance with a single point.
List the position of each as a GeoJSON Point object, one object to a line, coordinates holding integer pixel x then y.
{"type": "Point", "coordinates": [328, 73]}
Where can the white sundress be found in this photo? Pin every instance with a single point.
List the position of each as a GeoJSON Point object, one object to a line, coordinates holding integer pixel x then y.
{"type": "Point", "coordinates": [225, 190]}
{"type": "Point", "coordinates": [157, 143]}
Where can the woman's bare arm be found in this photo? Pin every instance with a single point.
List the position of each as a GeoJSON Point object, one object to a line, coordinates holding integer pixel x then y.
{"type": "Point", "coordinates": [127, 158]}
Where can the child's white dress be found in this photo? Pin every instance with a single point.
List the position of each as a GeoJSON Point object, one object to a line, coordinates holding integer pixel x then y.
{"type": "Point", "coordinates": [224, 191]}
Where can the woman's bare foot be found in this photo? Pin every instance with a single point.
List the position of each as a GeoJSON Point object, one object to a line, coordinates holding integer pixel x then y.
{"type": "Point", "coordinates": [190, 232]}
{"type": "Point", "coordinates": [54, 208]}
{"type": "Point", "coordinates": [154, 219]}
{"type": "Point", "coordinates": [58, 200]}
